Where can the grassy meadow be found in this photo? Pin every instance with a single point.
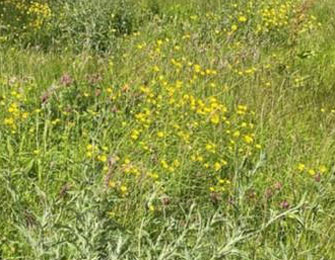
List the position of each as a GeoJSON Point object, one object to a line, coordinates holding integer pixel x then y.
{"type": "Point", "coordinates": [167, 130]}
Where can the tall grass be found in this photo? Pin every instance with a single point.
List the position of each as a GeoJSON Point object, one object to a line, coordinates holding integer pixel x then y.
{"type": "Point", "coordinates": [167, 130]}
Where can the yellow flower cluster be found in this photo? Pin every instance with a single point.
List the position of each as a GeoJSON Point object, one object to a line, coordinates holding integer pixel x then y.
{"type": "Point", "coordinates": [40, 12]}
{"type": "Point", "coordinates": [321, 169]}
{"type": "Point", "coordinates": [261, 17]}
{"type": "Point", "coordinates": [179, 123]}
{"type": "Point", "coordinates": [14, 113]}
{"type": "Point", "coordinates": [275, 15]}
{"type": "Point", "coordinates": [23, 14]}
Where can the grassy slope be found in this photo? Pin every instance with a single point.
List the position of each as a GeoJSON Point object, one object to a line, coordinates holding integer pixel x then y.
{"type": "Point", "coordinates": [294, 124]}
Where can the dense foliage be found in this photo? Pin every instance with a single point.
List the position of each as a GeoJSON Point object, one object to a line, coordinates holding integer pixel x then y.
{"type": "Point", "coordinates": [167, 129]}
